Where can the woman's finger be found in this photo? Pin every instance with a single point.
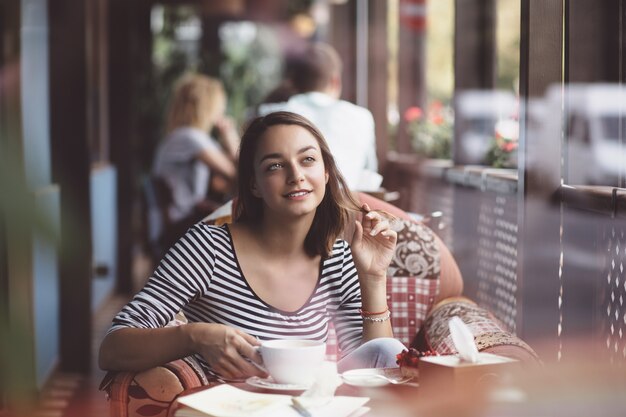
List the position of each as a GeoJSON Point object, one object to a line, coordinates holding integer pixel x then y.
{"type": "Point", "coordinates": [379, 226]}
{"type": "Point", "coordinates": [357, 236]}
{"type": "Point", "coordinates": [245, 368]}
{"type": "Point", "coordinates": [226, 369]}
{"type": "Point", "coordinates": [247, 347]}
{"type": "Point", "coordinates": [390, 234]}
{"type": "Point", "coordinates": [246, 356]}
{"type": "Point", "coordinates": [369, 220]}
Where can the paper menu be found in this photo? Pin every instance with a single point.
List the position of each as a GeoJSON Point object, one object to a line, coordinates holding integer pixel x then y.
{"type": "Point", "coordinates": [228, 401]}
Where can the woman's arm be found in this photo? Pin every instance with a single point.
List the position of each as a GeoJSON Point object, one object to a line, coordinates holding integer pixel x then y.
{"type": "Point", "coordinates": [134, 349]}
{"type": "Point", "coordinates": [228, 136]}
{"type": "Point", "coordinates": [373, 245]}
{"type": "Point", "coordinates": [223, 347]}
{"type": "Point", "coordinates": [216, 159]}
{"type": "Point", "coordinates": [139, 339]}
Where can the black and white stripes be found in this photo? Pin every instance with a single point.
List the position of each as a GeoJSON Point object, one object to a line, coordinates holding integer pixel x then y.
{"type": "Point", "coordinates": [201, 276]}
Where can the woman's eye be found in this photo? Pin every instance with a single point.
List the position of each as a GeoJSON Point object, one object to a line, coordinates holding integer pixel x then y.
{"type": "Point", "coordinates": [274, 166]}
{"type": "Point", "coordinates": [309, 159]}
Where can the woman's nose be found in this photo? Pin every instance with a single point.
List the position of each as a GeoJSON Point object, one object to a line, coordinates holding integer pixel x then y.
{"type": "Point", "coordinates": [296, 175]}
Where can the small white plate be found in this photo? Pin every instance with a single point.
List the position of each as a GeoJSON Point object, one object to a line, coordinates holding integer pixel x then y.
{"type": "Point", "coordinates": [364, 378]}
{"type": "Point", "coordinates": [268, 383]}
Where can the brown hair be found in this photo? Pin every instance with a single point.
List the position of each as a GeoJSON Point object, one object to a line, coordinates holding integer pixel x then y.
{"type": "Point", "coordinates": [314, 67]}
{"type": "Point", "coordinates": [331, 215]}
{"type": "Point", "coordinates": [195, 102]}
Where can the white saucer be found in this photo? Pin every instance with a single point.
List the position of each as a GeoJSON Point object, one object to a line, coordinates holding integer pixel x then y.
{"type": "Point", "coordinates": [268, 383]}
{"type": "Point", "coordinates": [367, 377]}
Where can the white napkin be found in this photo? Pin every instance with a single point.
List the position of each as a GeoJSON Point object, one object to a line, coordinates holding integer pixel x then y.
{"type": "Point", "coordinates": [324, 386]}
{"type": "Point", "coordinates": [463, 340]}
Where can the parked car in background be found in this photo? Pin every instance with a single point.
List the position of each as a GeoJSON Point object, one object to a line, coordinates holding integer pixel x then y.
{"type": "Point", "coordinates": [595, 131]}
{"type": "Point", "coordinates": [476, 115]}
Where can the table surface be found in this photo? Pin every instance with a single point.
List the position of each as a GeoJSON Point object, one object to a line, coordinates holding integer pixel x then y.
{"type": "Point", "coordinates": [388, 400]}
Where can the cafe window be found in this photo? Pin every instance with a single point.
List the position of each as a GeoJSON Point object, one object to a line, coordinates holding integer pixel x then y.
{"type": "Point", "coordinates": [593, 92]}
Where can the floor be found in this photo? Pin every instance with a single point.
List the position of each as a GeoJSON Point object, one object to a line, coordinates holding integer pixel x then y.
{"type": "Point", "coordinates": [76, 395]}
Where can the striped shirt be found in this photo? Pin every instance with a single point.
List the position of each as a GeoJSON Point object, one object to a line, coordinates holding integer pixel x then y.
{"type": "Point", "coordinates": [201, 276]}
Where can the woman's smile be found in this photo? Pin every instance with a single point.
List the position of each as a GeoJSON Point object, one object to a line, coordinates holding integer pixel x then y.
{"type": "Point", "coordinates": [298, 194]}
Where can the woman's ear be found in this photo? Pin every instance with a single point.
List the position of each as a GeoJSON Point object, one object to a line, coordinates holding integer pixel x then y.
{"type": "Point", "coordinates": [327, 177]}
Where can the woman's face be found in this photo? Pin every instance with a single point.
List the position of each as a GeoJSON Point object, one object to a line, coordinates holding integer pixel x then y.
{"type": "Point", "coordinates": [289, 172]}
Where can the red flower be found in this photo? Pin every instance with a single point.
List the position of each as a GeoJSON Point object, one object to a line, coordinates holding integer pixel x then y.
{"type": "Point", "coordinates": [509, 146]}
{"type": "Point", "coordinates": [411, 357]}
{"type": "Point", "coordinates": [413, 113]}
{"type": "Point", "coordinates": [437, 118]}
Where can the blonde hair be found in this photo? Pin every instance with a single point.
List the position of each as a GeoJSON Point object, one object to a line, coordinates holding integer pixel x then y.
{"type": "Point", "coordinates": [195, 102]}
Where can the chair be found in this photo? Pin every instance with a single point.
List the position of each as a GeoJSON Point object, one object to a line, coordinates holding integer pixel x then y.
{"type": "Point", "coordinates": [424, 287]}
{"type": "Point", "coordinates": [156, 199]}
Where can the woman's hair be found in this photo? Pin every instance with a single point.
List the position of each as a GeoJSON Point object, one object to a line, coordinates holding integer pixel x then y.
{"type": "Point", "coordinates": [195, 101]}
{"type": "Point", "coordinates": [331, 215]}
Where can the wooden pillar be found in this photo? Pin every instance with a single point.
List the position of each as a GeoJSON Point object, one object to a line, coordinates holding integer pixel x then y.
{"type": "Point", "coordinates": [71, 170]}
{"type": "Point", "coordinates": [474, 54]}
{"type": "Point", "coordinates": [378, 76]}
{"type": "Point", "coordinates": [411, 68]}
{"type": "Point", "coordinates": [474, 44]}
{"type": "Point", "coordinates": [342, 35]}
{"type": "Point", "coordinates": [129, 65]}
{"type": "Point", "coordinates": [592, 35]}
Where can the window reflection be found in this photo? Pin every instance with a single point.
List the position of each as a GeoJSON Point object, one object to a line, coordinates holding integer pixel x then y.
{"type": "Point", "coordinates": [595, 129]}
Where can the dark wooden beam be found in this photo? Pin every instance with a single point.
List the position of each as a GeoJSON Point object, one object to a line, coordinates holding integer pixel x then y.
{"type": "Point", "coordinates": [411, 74]}
{"type": "Point", "coordinates": [71, 170]}
{"type": "Point", "coordinates": [129, 71]}
{"type": "Point", "coordinates": [474, 57]}
{"type": "Point", "coordinates": [378, 75]}
{"type": "Point", "coordinates": [342, 35]}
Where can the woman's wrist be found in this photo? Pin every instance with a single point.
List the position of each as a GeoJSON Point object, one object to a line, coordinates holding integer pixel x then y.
{"type": "Point", "coordinates": [373, 283]}
{"type": "Point", "coordinates": [192, 336]}
{"type": "Point", "coordinates": [375, 278]}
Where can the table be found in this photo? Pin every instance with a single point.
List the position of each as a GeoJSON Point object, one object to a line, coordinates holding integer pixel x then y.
{"type": "Point", "coordinates": [389, 400]}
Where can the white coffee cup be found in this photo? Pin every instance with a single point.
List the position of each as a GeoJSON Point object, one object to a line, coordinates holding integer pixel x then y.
{"type": "Point", "coordinates": [293, 361]}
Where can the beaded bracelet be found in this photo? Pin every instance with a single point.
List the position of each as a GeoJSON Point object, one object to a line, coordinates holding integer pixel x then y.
{"type": "Point", "coordinates": [377, 319]}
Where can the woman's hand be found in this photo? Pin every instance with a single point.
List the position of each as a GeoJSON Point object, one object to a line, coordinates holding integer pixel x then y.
{"type": "Point", "coordinates": [373, 245]}
{"type": "Point", "coordinates": [228, 135]}
{"type": "Point", "coordinates": [226, 350]}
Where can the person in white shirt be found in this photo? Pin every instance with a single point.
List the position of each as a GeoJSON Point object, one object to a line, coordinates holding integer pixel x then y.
{"type": "Point", "coordinates": [348, 128]}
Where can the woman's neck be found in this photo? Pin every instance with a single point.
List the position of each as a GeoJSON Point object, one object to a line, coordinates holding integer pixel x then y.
{"type": "Point", "coordinates": [282, 236]}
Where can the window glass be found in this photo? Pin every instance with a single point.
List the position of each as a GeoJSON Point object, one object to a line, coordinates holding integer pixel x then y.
{"type": "Point", "coordinates": [593, 92]}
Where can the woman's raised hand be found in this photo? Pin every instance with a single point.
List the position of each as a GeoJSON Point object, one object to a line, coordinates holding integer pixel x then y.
{"type": "Point", "coordinates": [373, 244]}
{"type": "Point", "coordinates": [228, 134]}
{"type": "Point", "coordinates": [227, 350]}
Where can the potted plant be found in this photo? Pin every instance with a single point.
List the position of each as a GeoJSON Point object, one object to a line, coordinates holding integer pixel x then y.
{"type": "Point", "coordinates": [503, 150]}
{"type": "Point", "coordinates": [431, 133]}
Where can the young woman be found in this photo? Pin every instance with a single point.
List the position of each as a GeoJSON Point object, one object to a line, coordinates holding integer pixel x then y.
{"type": "Point", "coordinates": [188, 158]}
{"type": "Point", "coordinates": [277, 272]}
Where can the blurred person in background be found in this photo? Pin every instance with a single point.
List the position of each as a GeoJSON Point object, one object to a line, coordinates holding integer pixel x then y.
{"type": "Point", "coordinates": [315, 74]}
{"type": "Point", "coordinates": [189, 159]}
